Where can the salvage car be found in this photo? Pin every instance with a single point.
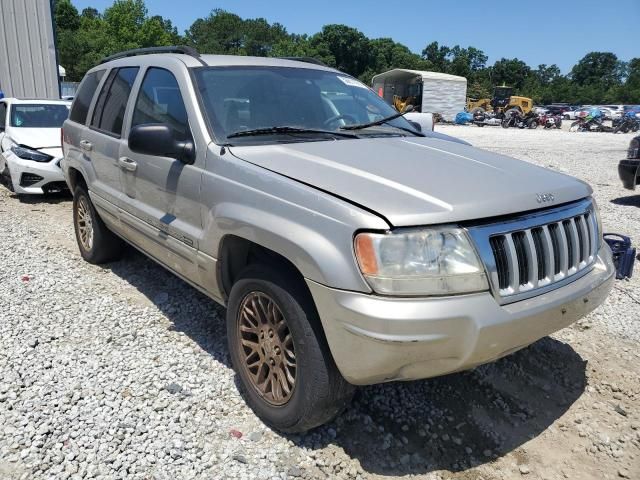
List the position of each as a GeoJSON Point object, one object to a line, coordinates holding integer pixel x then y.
{"type": "Point", "coordinates": [629, 168]}
{"type": "Point", "coordinates": [30, 144]}
{"type": "Point", "coordinates": [348, 247]}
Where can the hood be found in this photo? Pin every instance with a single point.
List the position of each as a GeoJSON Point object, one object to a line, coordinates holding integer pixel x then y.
{"type": "Point", "coordinates": [35, 137]}
{"type": "Point", "coordinates": [418, 181]}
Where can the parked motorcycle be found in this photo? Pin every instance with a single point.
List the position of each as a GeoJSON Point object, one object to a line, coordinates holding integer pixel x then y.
{"type": "Point", "coordinates": [589, 123]}
{"type": "Point", "coordinates": [550, 121]}
{"type": "Point", "coordinates": [627, 123]}
{"type": "Point", "coordinates": [485, 118]}
{"type": "Point", "coordinates": [515, 118]}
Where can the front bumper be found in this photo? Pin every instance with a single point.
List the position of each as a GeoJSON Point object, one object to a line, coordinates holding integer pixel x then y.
{"type": "Point", "coordinates": [23, 172]}
{"type": "Point", "coordinates": [628, 170]}
{"type": "Point", "coordinates": [377, 339]}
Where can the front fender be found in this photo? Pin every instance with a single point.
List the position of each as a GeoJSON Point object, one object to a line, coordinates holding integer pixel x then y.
{"type": "Point", "coordinates": [312, 229]}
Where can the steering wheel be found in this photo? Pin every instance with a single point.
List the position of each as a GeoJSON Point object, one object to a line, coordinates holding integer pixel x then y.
{"type": "Point", "coordinates": [341, 116]}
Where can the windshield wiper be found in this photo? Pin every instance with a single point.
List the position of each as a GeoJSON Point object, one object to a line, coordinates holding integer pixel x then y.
{"type": "Point", "coordinates": [286, 129]}
{"type": "Point", "coordinates": [385, 120]}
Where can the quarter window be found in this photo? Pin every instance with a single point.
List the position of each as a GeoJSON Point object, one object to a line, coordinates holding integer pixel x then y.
{"type": "Point", "coordinates": [160, 101]}
{"type": "Point", "coordinates": [84, 96]}
{"type": "Point", "coordinates": [108, 114]}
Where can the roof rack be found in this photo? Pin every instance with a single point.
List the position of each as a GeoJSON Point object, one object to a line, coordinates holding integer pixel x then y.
{"type": "Point", "coordinates": [150, 50]}
{"type": "Point", "coordinates": [315, 61]}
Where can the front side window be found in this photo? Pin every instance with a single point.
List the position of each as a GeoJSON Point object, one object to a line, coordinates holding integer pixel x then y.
{"type": "Point", "coordinates": [238, 99]}
{"type": "Point", "coordinates": [108, 114]}
{"type": "Point", "coordinates": [160, 101]}
{"type": "Point", "coordinates": [36, 115]}
{"type": "Point", "coordinates": [84, 96]}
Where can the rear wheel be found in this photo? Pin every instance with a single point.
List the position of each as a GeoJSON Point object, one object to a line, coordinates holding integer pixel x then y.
{"type": "Point", "coordinates": [96, 242]}
{"type": "Point", "coordinates": [279, 352]}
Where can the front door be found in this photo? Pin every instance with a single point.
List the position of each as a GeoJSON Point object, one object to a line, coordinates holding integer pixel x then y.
{"type": "Point", "coordinates": [162, 194]}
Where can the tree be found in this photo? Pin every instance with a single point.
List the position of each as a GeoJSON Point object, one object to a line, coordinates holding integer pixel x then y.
{"type": "Point", "coordinates": [83, 40]}
{"type": "Point", "coordinates": [436, 57]}
{"type": "Point", "coordinates": [66, 15]}
{"type": "Point", "coordinates": [511, 72]}
{"type": "Point", "coordinates": [601, 68]}
{"type": "Point", "coordinates": [349, 47]}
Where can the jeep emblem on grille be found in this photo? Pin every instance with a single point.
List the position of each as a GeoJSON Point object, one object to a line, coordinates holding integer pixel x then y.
{"type": "Point", "coordinates": [545, 197]}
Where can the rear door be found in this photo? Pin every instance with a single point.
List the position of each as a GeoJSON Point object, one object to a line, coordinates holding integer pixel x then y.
{"type": "Point", "coordinates": [3, 125]}
{"type": "Point", "coordinates": [74, 127]}
{"type": "Point", "coordinates": [102, 140]}
{"type": "Point", "coordinates": [162, 194]}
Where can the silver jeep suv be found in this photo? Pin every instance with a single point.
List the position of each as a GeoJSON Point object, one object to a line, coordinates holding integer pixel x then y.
{"type": "Point", "coordinates": [348, 247]}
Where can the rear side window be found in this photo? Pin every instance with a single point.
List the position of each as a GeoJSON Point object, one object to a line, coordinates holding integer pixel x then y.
{"type": "Point", "coordinates": [84, 95]}
{"type": "Point", "coordinates": [108, 114]}
{"type": "Point", "coordinates": [160, 101]}
{"type": "Point", "coordinates": [3, 114]}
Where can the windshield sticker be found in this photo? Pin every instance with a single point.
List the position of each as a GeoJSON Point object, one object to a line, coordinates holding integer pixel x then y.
{"type": "Point", "coordinates": [352, 82]}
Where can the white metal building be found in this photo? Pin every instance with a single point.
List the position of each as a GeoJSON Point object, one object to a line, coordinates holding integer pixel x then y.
{"type": "Point", "coordinates": [435, 92]}
{"type": "Point", "coordinates": [28, 65]}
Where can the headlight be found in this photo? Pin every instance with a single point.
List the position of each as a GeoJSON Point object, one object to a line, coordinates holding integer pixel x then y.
{"type": "Point", "coordinates": [30, 154]}
{"type": "Point", "coordinates": [433, 261]}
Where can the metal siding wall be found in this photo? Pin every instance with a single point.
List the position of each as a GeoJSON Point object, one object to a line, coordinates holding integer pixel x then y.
{"type": "Point", "coordinates": [28, 66]}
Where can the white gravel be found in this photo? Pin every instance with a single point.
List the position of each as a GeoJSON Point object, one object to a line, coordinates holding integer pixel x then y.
{"type": "Point", "coordinates": [123, 371]}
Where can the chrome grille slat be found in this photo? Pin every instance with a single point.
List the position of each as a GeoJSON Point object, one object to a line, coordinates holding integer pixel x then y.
{"type": "Point", "coordinates": [550, 258]}
{"type": "Point", "coordinates": [512, 262]}
{"type": "Point", "coordinates": [545, 250]}
{"type": "Point", "coordinates": [533, 259]}
{"type": "Point", "coordinates": [563, 247]}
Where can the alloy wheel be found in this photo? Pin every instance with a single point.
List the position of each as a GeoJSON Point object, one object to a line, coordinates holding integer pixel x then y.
{"type": "Point", "coordinates": [84, 222]}
{"type": "Point", "coordinates": [266, 348]}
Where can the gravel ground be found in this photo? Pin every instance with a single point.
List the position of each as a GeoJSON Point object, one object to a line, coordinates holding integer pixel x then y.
{"type": "Point", "coordinates": [122, 371]}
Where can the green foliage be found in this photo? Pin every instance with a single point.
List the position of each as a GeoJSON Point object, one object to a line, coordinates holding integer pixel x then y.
{"type": "Point", "coordinates": [85, 38]}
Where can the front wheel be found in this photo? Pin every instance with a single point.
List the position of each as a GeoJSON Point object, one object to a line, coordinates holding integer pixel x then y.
{"type": "Point", "coordinates": [279, 351]}
{"type": "Point", "coordinates": [96, 242]}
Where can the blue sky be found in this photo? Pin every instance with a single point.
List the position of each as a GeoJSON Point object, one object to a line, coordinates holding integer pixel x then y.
{"type": "Point", "coordinates": [539, 31]}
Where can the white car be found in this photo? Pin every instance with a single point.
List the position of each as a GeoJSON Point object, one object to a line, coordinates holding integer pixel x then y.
{"type": "Point", "coordinates": [30, 144]}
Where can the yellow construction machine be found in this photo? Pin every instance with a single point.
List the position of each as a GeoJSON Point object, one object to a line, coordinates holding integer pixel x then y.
{"type": "Point", "coordinates": [502, 101]}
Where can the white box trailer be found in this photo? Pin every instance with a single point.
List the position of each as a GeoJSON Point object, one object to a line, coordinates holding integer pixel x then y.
{"type": "Point", "coordinates": [428, 92]}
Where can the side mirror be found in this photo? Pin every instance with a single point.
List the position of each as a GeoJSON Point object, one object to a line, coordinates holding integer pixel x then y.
{"type": "Point", "coordinates": [158, 139]}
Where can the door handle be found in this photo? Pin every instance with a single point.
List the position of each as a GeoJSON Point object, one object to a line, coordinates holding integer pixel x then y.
{"type": "Point", "coordinates": [127, 164]}
{"type": "Point", "coordinates": [86, 145]}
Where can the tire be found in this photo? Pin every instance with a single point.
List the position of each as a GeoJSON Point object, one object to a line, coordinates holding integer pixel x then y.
{"type": "Point", "coordinates": [97, 244]}
{"type": "Point", "coordinates": [532, 124]}
{"type": "Point", "coordinates": [505, 123]}
{"type": "Point", "coordinates": [318, 392]}
{"type": "Point", "coordinates": [567, 117]}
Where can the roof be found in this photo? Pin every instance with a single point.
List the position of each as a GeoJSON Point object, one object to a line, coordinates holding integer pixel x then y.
{"type": "Point", "coordinates": [399, 72]}
{"type": "Point", "coordinates": [37, 101]}
{"type": "Point", "coordinates": [213, 61]}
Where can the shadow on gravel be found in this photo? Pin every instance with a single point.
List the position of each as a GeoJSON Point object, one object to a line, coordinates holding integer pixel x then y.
{"type": "Point", "coordinates": [458, 421]}
{"type": "Point", "coordinates": [448, 423]}
{"type": "Point", "coordinates": [628, 201]}
{"type": "Point", "coordinates": [48, 198]}
{"type": "Point", "coordinates": [190, 311]}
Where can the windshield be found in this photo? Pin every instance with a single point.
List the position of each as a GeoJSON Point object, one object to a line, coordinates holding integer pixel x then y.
{"type": "Point", "coordinates": [502, 92]}
{"type": "Point", "coordinates": [38, 115]}
{"type": "Point", "coordinates": [239, 99]}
